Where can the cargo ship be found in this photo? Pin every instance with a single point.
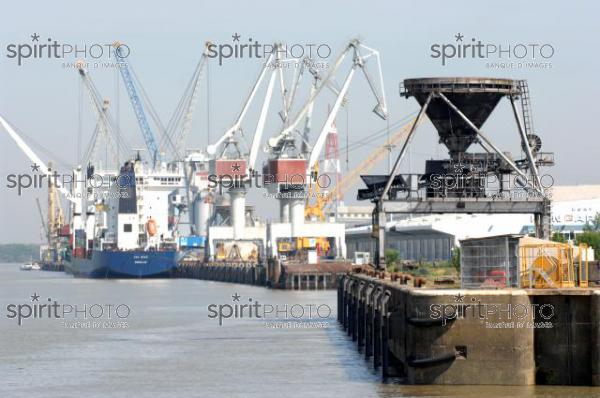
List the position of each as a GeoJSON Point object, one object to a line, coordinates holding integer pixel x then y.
{"type": "Point", "coordinates": [128, 228]}
{"type": "Point", "coordinates": [124, 264]}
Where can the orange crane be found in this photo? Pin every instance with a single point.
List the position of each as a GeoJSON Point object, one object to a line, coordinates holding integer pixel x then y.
{"type": "Point", "coordinates": [316, 208]}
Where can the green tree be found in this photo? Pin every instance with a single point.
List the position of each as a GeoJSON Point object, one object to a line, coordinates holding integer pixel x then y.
{"type": "Point", "coordinates": [590, 238]}
{"type": "Point", "coordinates": [558, 237]}
{"type": "Point", "coordinates": [18, 253]}
{"type": "Point", "coordinates": [455, 259]}
{"type": "Point", "coordinates": [593, 225]}
{"type": "Point", "coordinates": [392, 257]}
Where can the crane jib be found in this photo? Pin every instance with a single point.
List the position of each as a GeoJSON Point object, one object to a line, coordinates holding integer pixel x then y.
{"type": "Point", "coordinates": [138, 107]}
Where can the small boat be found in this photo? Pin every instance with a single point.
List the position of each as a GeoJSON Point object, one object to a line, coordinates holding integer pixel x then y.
{"type": "Point", "coordinates": [31, 266]}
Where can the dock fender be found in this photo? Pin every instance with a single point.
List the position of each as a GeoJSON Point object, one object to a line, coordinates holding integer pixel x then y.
{"type": "Point", "coordinates": [427, 362]}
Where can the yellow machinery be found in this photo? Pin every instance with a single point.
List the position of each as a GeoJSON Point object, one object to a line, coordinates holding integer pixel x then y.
{"type": "Point", "coordinates": [320, 243]}
{"type": "Point", "coordinates": [55, 213]}
{"type": "Point", "coordinates": [315, 202]}
{"type": "Point", "coordinates": [221, 255]}
{"type": "Point", "coordinates": [553, 265]}
{"type": "Point", "coordinates": [236, 251]}
{"type": "Point", "coordinates": [299, 245]}
{"type": "Point", "coordinates": [54, 223]}
{"type": "Point", "coordinates": [284, 247]}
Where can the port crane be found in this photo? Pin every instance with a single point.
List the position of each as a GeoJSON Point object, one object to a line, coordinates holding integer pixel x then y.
{"type": "Point", "coordinates": [316, 208]}
{"type": "Point", "coordinates": [278, 144]}
{"type": "Point", "coordinates": [285, 161]}
{"type": "Point", "coordinates": [44, 227]}
{"type": "Point", "coordinates": [178, 130]}
{"type": "Point", "coordinates": [228, 137]}
{"type": "Point", "coordinates": [228, 163]}
{"type": "Point", "coordinates": [137, 104]}
{"type": "Point", "coordinates": [181, 122]}
{"type": "Point", "coordinates": [104, 127]}
{"type": "Point", "coordinates": [77, 195]}
{"type": "Point", "coordinates": [35, 159]}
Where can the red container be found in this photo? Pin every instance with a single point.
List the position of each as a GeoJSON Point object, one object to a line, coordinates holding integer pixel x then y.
{"type": "Point", "coordinates": [228, 168]}
{"type": "Point", "coordinates": [291, 171]}
{"type": "Point", "coordinates": [65, 230]}
{"type": "Point", "coordinates": [79, 252]}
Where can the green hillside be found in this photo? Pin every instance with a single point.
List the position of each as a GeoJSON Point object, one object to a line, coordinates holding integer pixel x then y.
{"type": "Point", "coordinates": [18, 252]}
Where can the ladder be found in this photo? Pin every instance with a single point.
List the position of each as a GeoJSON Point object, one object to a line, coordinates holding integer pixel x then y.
{"type": "Point", "coordinates": [526, 107]}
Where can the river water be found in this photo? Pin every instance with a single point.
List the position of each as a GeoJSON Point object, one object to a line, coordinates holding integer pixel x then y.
{"type": "Point", "coordinates": [161, 341]}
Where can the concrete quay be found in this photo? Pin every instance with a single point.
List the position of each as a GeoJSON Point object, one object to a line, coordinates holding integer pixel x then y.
{"type": "Point", "coordinates": [468, 336]}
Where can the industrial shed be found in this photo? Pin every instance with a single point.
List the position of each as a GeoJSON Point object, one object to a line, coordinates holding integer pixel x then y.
{"type": "Point", "coordinates": [432, 238]}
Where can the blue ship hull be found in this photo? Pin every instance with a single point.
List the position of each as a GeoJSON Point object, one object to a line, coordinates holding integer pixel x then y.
{"type": "Point", "coordinates": [124, 264]}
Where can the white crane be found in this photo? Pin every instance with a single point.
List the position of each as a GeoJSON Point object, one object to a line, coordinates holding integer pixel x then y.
{"type": "Point", "coordinates": [43, 169]}
{"type": "Point", "coordinates": [180, 124]}
{"type": "Point", "coordinates": [231, 131]}
{"type": "Point", "coordinates": [359, 60]}
{"type": "Point", "coordinates": [274, 65]}
{"type": "Point", "coordinates": [100, 108]}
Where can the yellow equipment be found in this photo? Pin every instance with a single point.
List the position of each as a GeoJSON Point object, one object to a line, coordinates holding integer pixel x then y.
{"type": "Point", "coordinates": [284, 247]}
{"type": "Point", "coordinates": [315, 203]}
{"type": "Point", "coordinates": [303, 244]}
{"type": "Point", "coordinates": [221, 255]}
{"type": "Point", "coordinates": [313, 243]}
{"type": "Point", "coordinates": [552, 265]}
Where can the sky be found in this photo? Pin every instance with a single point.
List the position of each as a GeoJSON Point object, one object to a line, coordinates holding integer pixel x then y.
{"type": "Point", "coordinates": [46, 102]}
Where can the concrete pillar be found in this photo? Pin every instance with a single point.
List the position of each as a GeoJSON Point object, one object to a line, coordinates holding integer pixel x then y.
{"type": "Point", "coordinates": [297, 216]}
{"type": "Point", "coordinates": [238, 211]}
{"type": "Point", "coordinates": [205, 212]}
{"type": "Point", "coordinates": [202, 211]}
{"type": "Point", "coordinates": [379, 234]}
{"type": "Point", "coordinates": [284, 210]}
{"type": "Point", "coordinates": [595, 336]}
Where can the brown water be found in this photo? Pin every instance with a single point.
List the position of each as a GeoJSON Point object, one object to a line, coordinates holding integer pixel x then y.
{"type": "Point", "coordinates": [171, 348]}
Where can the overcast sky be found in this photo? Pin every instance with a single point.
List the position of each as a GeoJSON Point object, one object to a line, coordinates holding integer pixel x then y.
{"type": "Point", "coordinates": [42, 98]}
